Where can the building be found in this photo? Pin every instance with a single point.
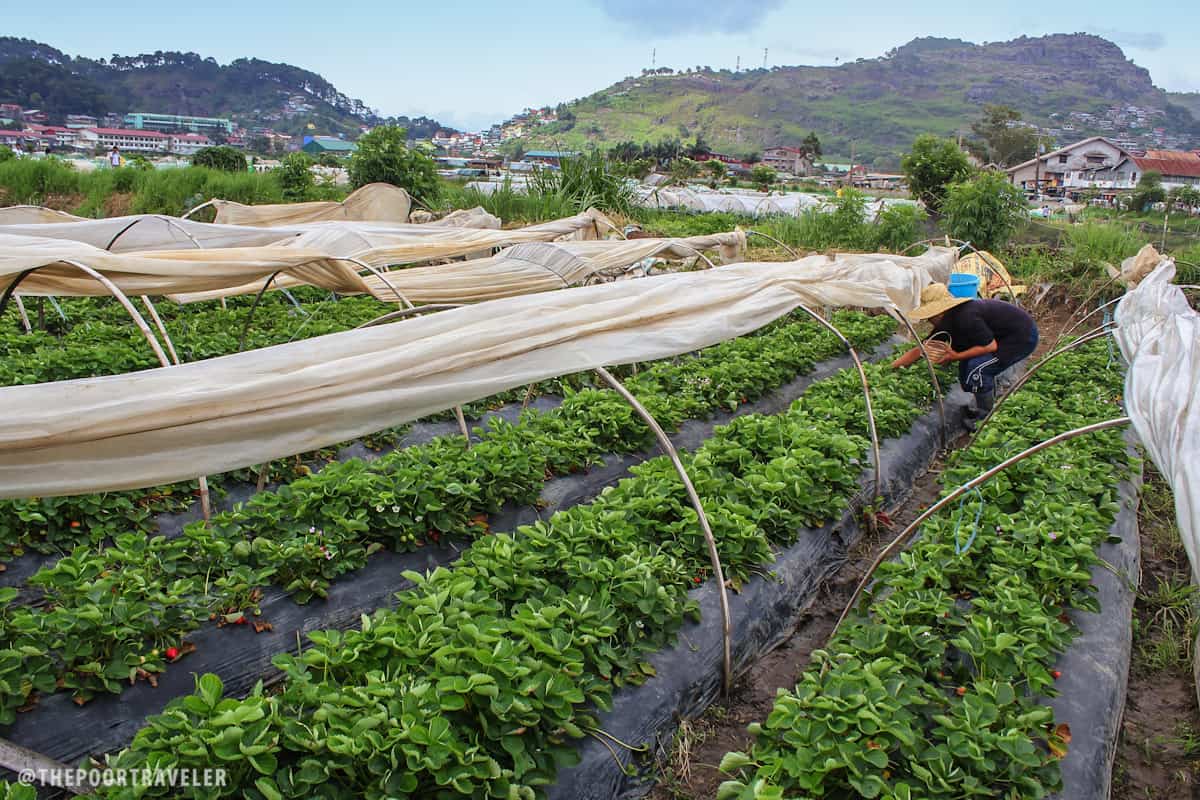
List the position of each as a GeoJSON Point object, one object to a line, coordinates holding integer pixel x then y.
{"type": "Point", "coordinates": [319, 145]}
{"type": "Point", "coordinates": [186, 144]}
{"type": "Point", "coordinates": [134, 141]}
{"type": "Point", "coordinates": [1177, 167]}
{"type": "Point", "coordinates": [1105, 181]}
{"type": "Point", "coordinates": [788, 159]}
{"type": "Point", "coordinates": [552, 158]}
{"type": "Point", "coordinates": [175, 122]}
{"type": "Point", "coordinates": [81, 121]}
{"type": "Point", "coordinates": [1047, 174]}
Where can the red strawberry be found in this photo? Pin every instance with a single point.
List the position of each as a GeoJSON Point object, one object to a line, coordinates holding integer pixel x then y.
{"type": "Point", "coordinates": [172, 653]}
{"type": "Point", "coordinates": [961, 690]}
{"type": "Point", "coordinates": [1057, 674]}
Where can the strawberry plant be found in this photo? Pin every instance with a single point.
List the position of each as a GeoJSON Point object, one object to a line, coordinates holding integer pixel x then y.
{"type": "Point", "coordinates": [478, 682]}
{"type": "Point", "coordinates": [969, 638]}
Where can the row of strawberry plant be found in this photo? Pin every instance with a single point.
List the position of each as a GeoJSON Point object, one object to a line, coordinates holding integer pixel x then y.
{"type": "Point", "coordinates": [99, 339]}
{"type": "Point", "coordinates": [934, 690]}
{"type": "Point", "coordinates": [478, 683]}
{"type": "Point", "coordinates": [308, 533]}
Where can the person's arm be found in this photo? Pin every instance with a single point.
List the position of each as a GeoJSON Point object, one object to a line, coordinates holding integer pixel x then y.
{"type": "Point", "coordinates": [908, 358]}
{"type": "Point", "coordinates": [972, 352]}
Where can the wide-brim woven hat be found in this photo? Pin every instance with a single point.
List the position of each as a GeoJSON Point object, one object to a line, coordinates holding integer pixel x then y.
{"type": "Point", "coordinates": [936, 299]}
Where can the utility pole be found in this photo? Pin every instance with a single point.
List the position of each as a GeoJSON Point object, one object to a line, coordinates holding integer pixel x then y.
{"type": "Point", "coordinates": [850, 174]}
{"type": "Point", "coordinates": [1037, 165]}
{"type": "Point", "coordinates": [764, 58]}
{"type": "Point", "coordinates": [653, 58]}
{"type": "Point", "coordinates": [738, 68]}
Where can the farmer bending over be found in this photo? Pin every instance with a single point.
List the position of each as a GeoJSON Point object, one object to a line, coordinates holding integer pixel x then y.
{"type": "Point", "coordinates": [986, 338]}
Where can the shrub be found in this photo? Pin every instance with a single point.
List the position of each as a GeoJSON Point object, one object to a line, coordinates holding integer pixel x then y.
{"type": "Point", "coordinates": [984, 210]}
{"type": "Point", "coordinates": [1149, 190]}
{"type": "Point", "coordinates": [762, 176]}
{"type": "Point", "coordinates": [934, 164]}
{"type": "Point", "coordinates": [898, 227]}
{"type": "Point", "coordinates": [295, 177]}
{"type": "Point", "coordinates": [383, 156]}
{"type": "Point", "coordinates": [222, 157]}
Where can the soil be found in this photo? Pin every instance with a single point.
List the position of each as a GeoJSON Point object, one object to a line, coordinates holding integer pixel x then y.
{"type": "Point", "coordinates": [690, 771]}
{"type": "Point", "coordinates": [118, 204]}
{"type": "Point", "coordinates": [1158, 757]}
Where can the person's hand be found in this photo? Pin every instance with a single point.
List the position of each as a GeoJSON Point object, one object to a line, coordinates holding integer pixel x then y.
{"type": "Point", "coordinates": [940, 356]}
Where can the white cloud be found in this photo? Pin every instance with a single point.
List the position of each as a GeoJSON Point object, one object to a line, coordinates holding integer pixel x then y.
{"type": "Point", "coordinates": [1138, 40]}
{"type": "Point", "coordinates": [679, 17]}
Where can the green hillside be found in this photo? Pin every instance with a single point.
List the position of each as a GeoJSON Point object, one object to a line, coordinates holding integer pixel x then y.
{"type": "Point", "coordinates": [251, 91]}
{"type": "Point", "coordinates": [1187, 100]}
{"type": "Point", "coordinates": [928, 85]}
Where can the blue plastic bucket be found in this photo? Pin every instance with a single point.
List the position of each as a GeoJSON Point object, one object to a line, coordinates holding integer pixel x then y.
{"type": "Point", "coordinates": [963, 284]}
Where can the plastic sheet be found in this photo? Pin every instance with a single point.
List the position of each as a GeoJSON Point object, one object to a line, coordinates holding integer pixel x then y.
{"type": "Point", "coordinates": [168, 424]}
{"type": "Point", "coordinates": [1095, 668]}
{"type": "Point", "coordinates": [1159, 336]}
{"type": "Point", "coordinates": [375, 201]}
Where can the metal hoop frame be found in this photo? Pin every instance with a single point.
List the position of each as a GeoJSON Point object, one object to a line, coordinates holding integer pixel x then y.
{"type": "Point", "coordinates": [901, 539]}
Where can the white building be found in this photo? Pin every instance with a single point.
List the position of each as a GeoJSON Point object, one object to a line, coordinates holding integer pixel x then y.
{"type": "Point", "coordinates": [127, 140]}
{"type": "Point", "coordinates": [1048, 173]}
{"type": "Point", "coordinates": [186, 144]}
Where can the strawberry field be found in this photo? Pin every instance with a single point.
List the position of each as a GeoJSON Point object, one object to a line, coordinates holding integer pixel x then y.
{"type": "Point", "coordinates": [937, 687]}
{"type": "Point", "coordinates": [414, 616]}
{"type": "Point", "coordinates": [480, 648]}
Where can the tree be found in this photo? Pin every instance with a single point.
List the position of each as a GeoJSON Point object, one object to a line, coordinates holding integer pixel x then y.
{"type": "Point", "coordinates": [762, 176]}
{"type": "Point", "coordinates": [6, 154]}
{"type": "Point", "coordinates": [716, 169]}
{"type": "Point", "coordinates": [1184, 198]}
{"type": "Point", "coordinates": [933, 164]}
{"type": "Point", "coordinates": [220, 157]}
{"type": "Point", "coordinates": [295, 177]}
{"type": "Point", "coordinates": [329, 160]}
{"type": "Point", "coordinates": [754, 157]}
{"type": "Point", "coordinates": [684, 169]}
{"type": "Point", "coordinates": [984, 210]}
{"type": "Point", "coordinates": [811, 146]}
{"type": "Point", "coordinates": [1149, 190]}
{"type": "Point", "coordinates": [1001, 141]}
{"type": "Point", "coordinates": [383, 155]}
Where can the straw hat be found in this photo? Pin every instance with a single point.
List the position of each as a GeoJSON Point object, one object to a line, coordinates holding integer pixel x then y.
{"type": "Point", "coordinates": [936, 299]}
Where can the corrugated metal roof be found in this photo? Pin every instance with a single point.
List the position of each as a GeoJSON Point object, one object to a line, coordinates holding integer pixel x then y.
{"type": "Point", "coordinates": [550, 153]}
{"type": "Point", "coordinates": [1176, 163]}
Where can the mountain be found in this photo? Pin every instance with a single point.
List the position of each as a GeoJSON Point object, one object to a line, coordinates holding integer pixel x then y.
{"type": "Point", "coordinates": [881, 104]}
{"type": "Point", "coordinates": [252, 92]}
{"type": "Point", "coordinates": [1187, 100]}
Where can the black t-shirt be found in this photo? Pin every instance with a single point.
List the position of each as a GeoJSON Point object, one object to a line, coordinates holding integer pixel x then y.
{"type": "Point", "coordinates": [977, 322]}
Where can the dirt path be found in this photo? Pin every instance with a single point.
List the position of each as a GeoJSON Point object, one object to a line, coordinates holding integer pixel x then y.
{"type": "Point", "coordinates": [1158, 757]}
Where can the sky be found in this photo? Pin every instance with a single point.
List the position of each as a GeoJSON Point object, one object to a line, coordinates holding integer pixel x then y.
{"type": "Point", "coordinates": [470, 63]}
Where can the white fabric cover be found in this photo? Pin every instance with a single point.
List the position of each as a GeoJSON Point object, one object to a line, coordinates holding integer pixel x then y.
{"type": "Point", "coordinates": [1159, 336]}
{"type": "Point", "coordinates": [34, 215]}
{"type": "Point", "coordinates": [160, 272]}
{"type": "Point", "coordinates": [374, 202]}
{"type": "Point", "coordinates": [169, 424]}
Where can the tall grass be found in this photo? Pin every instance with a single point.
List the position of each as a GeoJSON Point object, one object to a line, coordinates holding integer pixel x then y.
{"type": "Point", "coordinates": [1093, 243]}
{"type": "Point", "coordinates": [508, 202]}
{"type": "Point", "coordinates": [53, 182]}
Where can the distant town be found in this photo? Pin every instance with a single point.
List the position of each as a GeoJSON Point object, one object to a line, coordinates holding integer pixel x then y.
{"type": "Point", "coordinates": [1096, 167]}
